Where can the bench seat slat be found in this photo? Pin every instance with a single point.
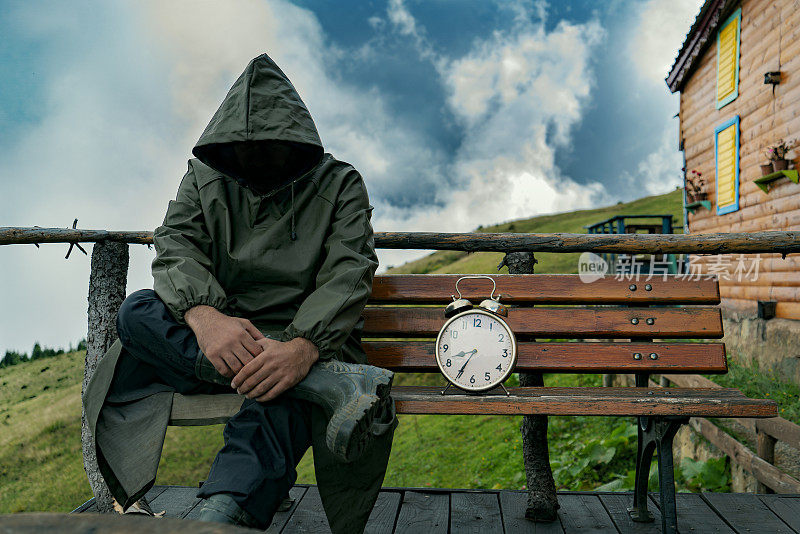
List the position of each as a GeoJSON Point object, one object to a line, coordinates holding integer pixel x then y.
{"type": "Point", "coordinates": [625, 401]}
{"type": "Point", "coordinates": [570, 322]}
{"type": "Point", "coordinates": [705, 358]}
{"type": "Point", "coordinates": [545, 289]}
{"type": "Point", "coordinates": [189, 410]}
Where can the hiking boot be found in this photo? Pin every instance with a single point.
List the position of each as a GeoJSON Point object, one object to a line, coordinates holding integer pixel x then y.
{"type": "Point", "coordinates": [353, 396]}
{"type": "Point", "coordinates": [222, 508]}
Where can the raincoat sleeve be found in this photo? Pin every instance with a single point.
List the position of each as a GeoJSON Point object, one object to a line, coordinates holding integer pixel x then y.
{"type": "Point", "coordinates": [344, 280]}
{"type": "Point", "coordinates": [183, 274]}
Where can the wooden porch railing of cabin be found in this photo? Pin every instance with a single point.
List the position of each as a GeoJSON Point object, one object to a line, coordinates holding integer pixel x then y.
{"type": "Point", "coordinates": [109, 269]}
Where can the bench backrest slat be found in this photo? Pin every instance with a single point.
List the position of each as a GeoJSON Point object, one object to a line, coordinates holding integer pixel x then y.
{"type": "Point", "coordinates": [705, 358]}
{"type": "Point", "coordinates": [559, 322]}
{"type": "Point", "coordinates": [545, 289]}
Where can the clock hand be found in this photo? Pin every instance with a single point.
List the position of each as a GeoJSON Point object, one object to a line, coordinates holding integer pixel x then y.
{"type": "Point", "coordinates": [471, 354]}
{"type": "Point", "coordinates": [460, 354]}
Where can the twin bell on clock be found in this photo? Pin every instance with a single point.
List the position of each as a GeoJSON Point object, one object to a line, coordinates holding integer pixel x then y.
{"type": "Point", "coordinates": [476, 349]}
{"type": "Point", "coordinates": [461, 304]}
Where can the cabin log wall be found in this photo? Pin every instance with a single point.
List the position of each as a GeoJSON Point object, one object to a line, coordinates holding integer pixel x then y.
{"type": "Point", "coordinates": [770, 41]}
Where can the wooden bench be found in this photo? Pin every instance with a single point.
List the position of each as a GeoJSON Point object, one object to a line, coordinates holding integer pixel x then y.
{"type": "Point", "coordinates": [558, 307]}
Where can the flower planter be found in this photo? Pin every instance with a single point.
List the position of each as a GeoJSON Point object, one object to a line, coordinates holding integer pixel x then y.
{"type": "Point", "coordinates": [697, 197]}
{"type": "Point", "coordinates": [766, 169]}
{"type": "Point", "coordinates": [780, 164]}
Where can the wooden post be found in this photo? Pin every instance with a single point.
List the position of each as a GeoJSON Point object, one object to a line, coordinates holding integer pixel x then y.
{"type": "Point", "coordinates": [766, 451]}
{"type": "Point", "coordinates": [107, 281]}
{"type": "Point", "coordinates": [542, 500]}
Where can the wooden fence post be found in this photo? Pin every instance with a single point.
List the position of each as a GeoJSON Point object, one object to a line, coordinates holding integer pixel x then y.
{"type": "Point", "coordinates": [107, 282]}
{"type": "Point", "coordinates": [542, 499]}
{"type": "Point", "coordinates": [766, 451]}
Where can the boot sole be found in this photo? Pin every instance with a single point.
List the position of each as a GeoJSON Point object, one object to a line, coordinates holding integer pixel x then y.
{"type": "Point", "coordinates": [349, 429]}
{"type": "Point", "coordinates": [383, 382]}
{"type": "Point", "coordinates": [358, 435]}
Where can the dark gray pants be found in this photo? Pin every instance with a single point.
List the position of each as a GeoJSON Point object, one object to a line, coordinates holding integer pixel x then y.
{"type": "Point", "coordinates": [263, 442]}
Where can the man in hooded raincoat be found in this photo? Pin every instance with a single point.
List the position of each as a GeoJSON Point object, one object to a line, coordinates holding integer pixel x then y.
{"type": "Point", "coordinates": [263, 265]}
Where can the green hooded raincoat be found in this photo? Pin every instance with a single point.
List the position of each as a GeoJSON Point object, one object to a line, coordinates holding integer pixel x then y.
{"type": "Point", "coordinates": [296, 259]}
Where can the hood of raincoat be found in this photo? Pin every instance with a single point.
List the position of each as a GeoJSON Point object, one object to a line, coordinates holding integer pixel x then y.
{"type": "Point", "coordinates": [262, 135]}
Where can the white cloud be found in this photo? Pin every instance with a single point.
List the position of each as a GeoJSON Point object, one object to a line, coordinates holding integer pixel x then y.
{"type": "Point", "coordinates": [507, 93]}
{"type": "Point", "coordinates": [404, 22]}
{"type": "Point", "coordinates": [660, 171]}
{"type": "Point", "coordinates": [659, 29]}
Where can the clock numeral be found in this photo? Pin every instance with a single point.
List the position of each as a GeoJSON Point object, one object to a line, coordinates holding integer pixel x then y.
{"type": "Point", "coordinates": [499, 367]}
{"type": "Point", "coordinates": [490, 325]}
{"type": "Point", "coordinates": [445, 347]}
{"type": "Point", "coordinates": [486, 376]}
{"type": "Point", "coordinates": [505, 353]}
{"type": "Point", "coordinates": [449, 363]}
{"type": "Point", "coordinates": [464, 324]}
{"type": "Point", "coordinates": [454, 334]}
{"type": "Point", "coordinates": [502, 338]}
{"type": "Point", "coordinates": [472, 379]}
{"type": "Point", "coordinates": [476, 322]}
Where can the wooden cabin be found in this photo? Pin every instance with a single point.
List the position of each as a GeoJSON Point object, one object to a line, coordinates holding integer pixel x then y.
{"type": "Point", "coordinates": [738, 74]}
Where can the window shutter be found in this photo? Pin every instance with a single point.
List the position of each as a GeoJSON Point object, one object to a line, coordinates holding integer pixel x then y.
{"type": "Point", "coordinates": [726, 145]}
{"type": "Point", "coordinates": [728, 59]}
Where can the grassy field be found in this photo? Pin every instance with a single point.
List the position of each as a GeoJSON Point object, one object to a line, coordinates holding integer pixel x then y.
{"type": "Point", "coordinates": [40, 457]}
{"type": "Point", "coordinates": [569, 222]}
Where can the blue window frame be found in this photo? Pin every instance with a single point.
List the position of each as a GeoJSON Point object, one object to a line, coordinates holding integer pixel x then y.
{"type": "Point", "coordinates": [726, 160]}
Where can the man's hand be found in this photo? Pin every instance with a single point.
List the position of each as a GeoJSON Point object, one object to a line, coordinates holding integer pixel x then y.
{"type": "Point", "coordinates": [229, 343]}
{"type": "Point", "coordinates": [279, 367]}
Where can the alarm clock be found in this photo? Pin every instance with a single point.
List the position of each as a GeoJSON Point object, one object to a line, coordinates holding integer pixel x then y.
{"type": "Point", "coordinates": [476, 350]}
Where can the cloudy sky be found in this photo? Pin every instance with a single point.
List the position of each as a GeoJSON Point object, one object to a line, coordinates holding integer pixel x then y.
{"type": "Point", "coordinates": [457, 113]}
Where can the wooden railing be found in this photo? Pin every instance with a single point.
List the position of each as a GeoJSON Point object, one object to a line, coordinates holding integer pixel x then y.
{"type": "Point", "coordinates": [768, 433]}
{"type": "Point", "coordinates": [718, 243]}
{"type": "Point", "coordinates": [109, 266]}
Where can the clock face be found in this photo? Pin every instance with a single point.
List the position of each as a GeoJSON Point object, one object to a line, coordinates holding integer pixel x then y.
{"type": "Point", "coordinates": [476, 350]}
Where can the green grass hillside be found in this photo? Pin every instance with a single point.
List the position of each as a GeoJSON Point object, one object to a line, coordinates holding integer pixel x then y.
{"type": "Point", "coordinates": [568, 222]}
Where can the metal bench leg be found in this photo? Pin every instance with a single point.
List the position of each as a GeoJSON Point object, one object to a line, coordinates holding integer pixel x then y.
{"type": "Point", "coordinates": [665, 430]}
{"type": "Point", "coordinates": [656, 433]}
{"type": "Point", "coordinates": [644, 455]}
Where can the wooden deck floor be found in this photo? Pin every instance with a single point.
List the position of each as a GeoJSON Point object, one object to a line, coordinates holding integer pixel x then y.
{"type": "Point", "coordinates": [431, 511]}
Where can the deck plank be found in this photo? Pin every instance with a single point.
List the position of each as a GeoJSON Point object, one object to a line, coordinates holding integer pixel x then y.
{"type": "Point", "coordinates": [512, 506]}
{"type": "Point", "coordinates": [384, 513]}
{"type": "Point", "coordinates": [423, 512]}
{"type": "Point", "coordinates": [308, 516]}
{"type": "Point", "coordinates": [176, 501]}
{"type": "Point", "coordinates": [281, 518]}
{"type": "Point", "coordinates": [617, 505]}
{"type": "Point", "coordinates": [584, 514]}
{"type": "Point", "coordinates": [746, 513]}
{"type": "Point", "coordinates": [477, 513]}
{"type": "Point", "coordinates": [787, 508]}
{"type": "Point", "coordinates": [439, 511]}
{"type": "Point", "coordinates": [693, 510]}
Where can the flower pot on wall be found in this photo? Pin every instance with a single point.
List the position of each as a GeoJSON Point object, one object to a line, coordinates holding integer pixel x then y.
{"type": "Point", "coordinates": [766, 168]}
{"type": "Point", "coordinates": [780, 164]}
{"type": "Point", "coordinates": [696, 197]}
